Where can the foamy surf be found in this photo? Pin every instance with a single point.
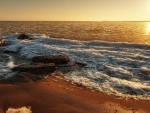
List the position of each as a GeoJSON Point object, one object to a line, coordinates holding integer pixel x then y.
{"type": "Point", "coordinates": [121, 69]}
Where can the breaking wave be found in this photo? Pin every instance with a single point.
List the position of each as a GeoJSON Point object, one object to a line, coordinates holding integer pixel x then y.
{"type": "Point", "coordinates": [121, 69]}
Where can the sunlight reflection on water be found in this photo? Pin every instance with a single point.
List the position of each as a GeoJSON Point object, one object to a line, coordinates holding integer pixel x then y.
{"type": "Point", "coordinates": [148, 28]}
{"type": "Point", "coordinates": [132, 32]}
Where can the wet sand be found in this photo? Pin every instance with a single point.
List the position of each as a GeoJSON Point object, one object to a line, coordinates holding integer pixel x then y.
{"type": "Point", "coordinates": [55, 95]}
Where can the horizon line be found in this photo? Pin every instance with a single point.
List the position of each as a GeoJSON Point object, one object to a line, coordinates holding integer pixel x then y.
{"type": "Point", "coordinates": [75, 20]}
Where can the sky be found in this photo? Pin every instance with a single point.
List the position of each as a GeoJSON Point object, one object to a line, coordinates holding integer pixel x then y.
{"type": "Point", "coordinates": [75, 10]}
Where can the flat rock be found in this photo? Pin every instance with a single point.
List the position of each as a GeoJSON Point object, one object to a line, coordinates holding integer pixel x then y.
{"type": "Point", "coordinates": [23, 37]}
{"type": "Point", "coordinates": [2, 42]}
{"type": "Point", "coordinates": [36, 68]}
{"type": "Point", "coordinates": [57, 59]}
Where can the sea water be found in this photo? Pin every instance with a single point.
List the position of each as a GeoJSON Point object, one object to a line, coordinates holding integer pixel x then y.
{"type": "Point", "coordinates": [118, 67]}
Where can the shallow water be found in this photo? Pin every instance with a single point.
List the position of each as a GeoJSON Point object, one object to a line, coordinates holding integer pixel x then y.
{"type": "Point", "coordinates": [118, 68]}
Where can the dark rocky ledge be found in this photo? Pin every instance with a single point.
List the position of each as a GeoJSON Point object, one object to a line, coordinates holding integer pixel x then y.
{"type": "Point", "coordinates": [57, 59]}
{"type": "Point", "coordinates": [36, 68]}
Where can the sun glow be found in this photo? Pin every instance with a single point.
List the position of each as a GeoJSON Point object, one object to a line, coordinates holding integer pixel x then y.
{"type": "Point", "coordinates": [148, 28]}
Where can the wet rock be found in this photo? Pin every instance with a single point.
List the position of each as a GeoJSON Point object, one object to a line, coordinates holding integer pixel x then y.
{"type": "Point", "coordinates": [23, 37]}
{"type": "Point", "coordinates": [7, 51]}
{"type": "Point", "coordinates": [81, 63]}
{"type": "Point", "coordinates": [57, 59]}
{"type": "Point", "coordinates": [36, 68]}
{"type": "Point", "coordinates": [2, 42]}
{"type": "Point", "coordinates": [28, 76]}
{"type": "Point", "coordinates": [15, 80]}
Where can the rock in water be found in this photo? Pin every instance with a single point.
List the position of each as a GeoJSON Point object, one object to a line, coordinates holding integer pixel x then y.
{"type": "Point", "coordinates": [23, 37]}
{"type": "Point", "coordinates": [36, 68]}
{"type": "Point", "coordinates": [57, 59]}
{"type": "Point", "coordinates": [2, 42]}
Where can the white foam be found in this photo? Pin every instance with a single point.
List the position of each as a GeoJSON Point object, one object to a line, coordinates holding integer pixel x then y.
{"type": "Point", "coordinates": [6, 64]}
{"type": "Point", "coordinates": [121, 69]}
{"type": "Point", "coordinates": [10, 64]}
{"type": "Point", "coordinates": [19, 110]}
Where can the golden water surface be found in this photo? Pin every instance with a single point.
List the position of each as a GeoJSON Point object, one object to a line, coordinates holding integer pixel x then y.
{"type": "Point", "coordinates": [132, 32]}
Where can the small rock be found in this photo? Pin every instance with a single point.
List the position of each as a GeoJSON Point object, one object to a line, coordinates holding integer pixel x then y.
{"type": "Point", "coordinates": [81, 63]}
{"type": "Point", "coordinates": [2, 42]}
{"type": "Point", "coordinates": [23, 37]}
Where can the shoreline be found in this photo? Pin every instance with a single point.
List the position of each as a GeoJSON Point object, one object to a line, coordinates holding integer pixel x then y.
{"type": "Point", "coordinates": [57, 95]}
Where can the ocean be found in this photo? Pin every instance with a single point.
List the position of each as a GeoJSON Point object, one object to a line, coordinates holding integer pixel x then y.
{"type": "Point", "coordinates": [116, 54]}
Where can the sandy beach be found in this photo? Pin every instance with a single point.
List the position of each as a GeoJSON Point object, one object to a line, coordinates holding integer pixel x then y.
{"type": "Point", "coordinates": [55, 95]}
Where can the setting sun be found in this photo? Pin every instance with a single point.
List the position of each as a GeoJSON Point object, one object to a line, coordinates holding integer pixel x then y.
{"type": "Point", "coordinates": [148, 28]}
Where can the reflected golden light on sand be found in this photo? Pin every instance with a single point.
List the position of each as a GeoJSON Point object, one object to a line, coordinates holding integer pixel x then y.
{"type": "Point", "coordinates": [148, 28]}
